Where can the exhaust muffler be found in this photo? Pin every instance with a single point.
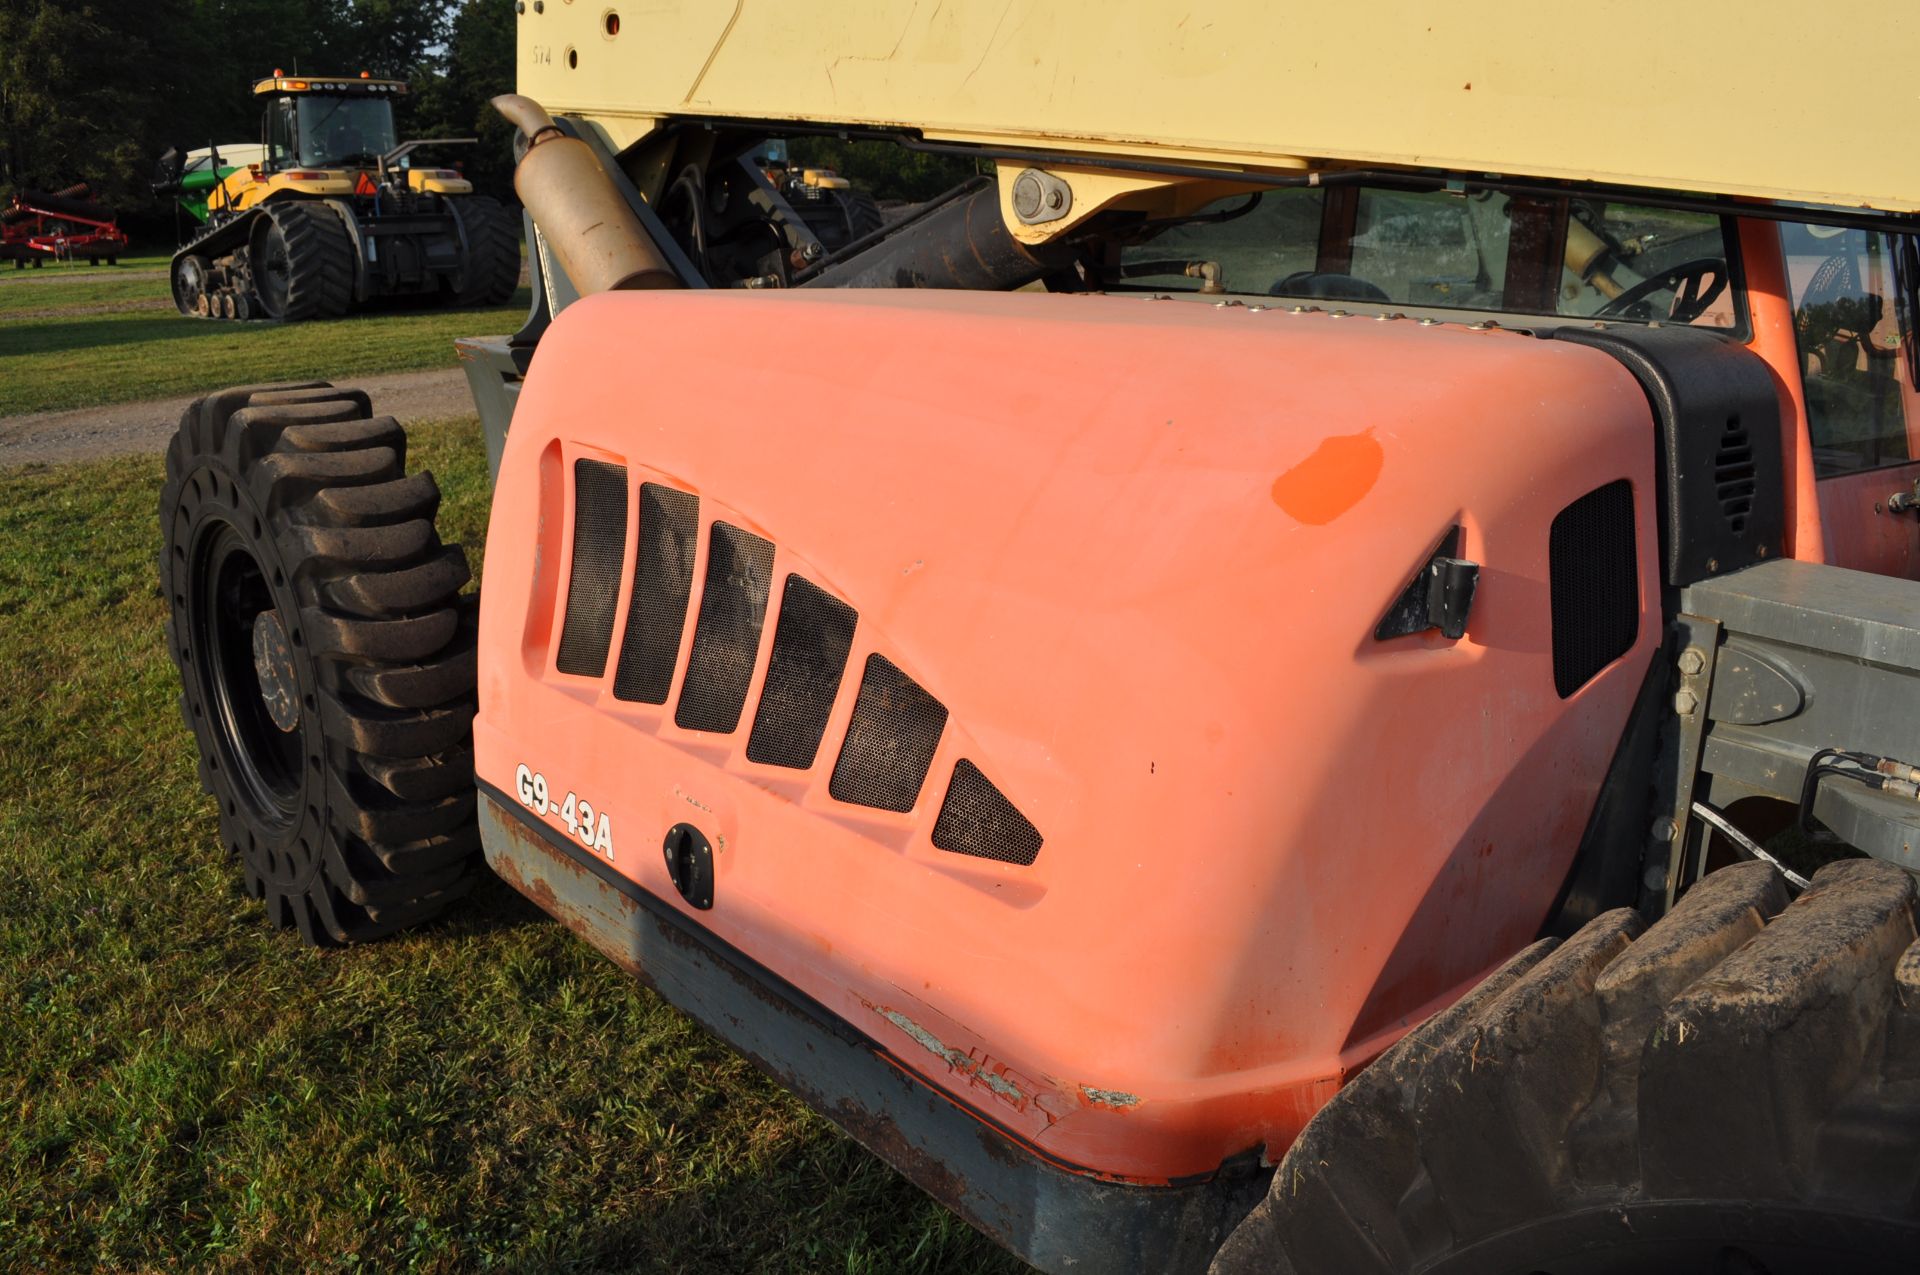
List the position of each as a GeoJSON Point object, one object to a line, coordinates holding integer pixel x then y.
{"type": "Point", "coordinates": [600, 243]}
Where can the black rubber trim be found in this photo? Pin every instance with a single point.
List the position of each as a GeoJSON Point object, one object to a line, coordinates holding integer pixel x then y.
{"type": "Point", "coordinates": [1699, 386]}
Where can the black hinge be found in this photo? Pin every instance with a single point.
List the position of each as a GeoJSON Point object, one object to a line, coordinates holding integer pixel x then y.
{"type": "Point", "coordinates": [1440, 595]}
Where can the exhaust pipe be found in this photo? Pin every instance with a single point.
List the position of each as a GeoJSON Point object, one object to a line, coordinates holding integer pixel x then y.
{"type": "Point", "coordinates": [600, 243]}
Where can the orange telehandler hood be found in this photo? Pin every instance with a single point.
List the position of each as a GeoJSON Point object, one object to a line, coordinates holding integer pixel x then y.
{"type": "Point", "coordinates": [1093, 581]}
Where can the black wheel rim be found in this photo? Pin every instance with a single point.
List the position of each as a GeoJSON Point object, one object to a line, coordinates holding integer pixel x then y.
{"type": "Point", "coordinates": [262, 761]}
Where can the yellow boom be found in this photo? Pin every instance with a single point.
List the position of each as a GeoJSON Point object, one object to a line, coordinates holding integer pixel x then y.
{"type": "Point", "coordinates": [1760, 98]}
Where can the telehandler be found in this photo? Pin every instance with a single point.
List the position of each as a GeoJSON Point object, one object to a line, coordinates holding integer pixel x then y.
{"type": "Point", "coordinates": [1320, 675]}
{"type": "Point", "coordinates": [327, 212]}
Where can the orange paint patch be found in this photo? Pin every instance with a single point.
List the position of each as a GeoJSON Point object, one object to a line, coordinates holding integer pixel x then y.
{"type": "Point", "coordinates": [1332, 480]}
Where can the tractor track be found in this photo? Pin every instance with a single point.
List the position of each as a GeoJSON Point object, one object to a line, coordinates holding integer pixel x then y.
{"type": "Point", "coordinates": [132, 429]}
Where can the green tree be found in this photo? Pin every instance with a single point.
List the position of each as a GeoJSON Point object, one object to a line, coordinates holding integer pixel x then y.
{"type": "Point", "coordinates": [884, 170]}
{"type": "Point", "coordinates": [79, 86]}
{"type": "Point", "coordinates": [96, 90]}
{"type": "Point", "coordinates": [453, 102]}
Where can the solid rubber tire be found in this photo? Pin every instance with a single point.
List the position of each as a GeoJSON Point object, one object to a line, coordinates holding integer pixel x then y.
{"type": "Point", "coordinates": [1737, 1089]}
{"type": "Point", "coordinates": [376, 831]}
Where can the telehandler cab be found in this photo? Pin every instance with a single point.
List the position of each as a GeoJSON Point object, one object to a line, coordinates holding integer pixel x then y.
{"type": "Point", "coordinates": [1321, 674]}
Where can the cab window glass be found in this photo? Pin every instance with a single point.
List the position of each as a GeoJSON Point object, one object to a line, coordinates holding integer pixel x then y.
{"type": "Point", "coordinates": [1853, 319]}
{"type": "Point", "coordinates": [344, 130]}
{"type": "Point", "coordinates": [1627, 261]}
{"type": "Point", "coordinates": [1421, 249]}
{"type": "Point", "coordinates": [1253, 241]}
{"type": "Point", "coordinates": [1478, 248]}
{"type": "Point", "coordinates": [280, 131]}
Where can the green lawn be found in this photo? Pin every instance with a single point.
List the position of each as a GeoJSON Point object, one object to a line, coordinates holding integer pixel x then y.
{"type": "Point", "coordinates": [72, 269]}
{"type": "Point", "coordinates": [78, 337]}
{"type": "Point", "coordinates": [183, 1088]}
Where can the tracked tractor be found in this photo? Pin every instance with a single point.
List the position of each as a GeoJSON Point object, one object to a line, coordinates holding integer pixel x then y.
{"type": "Point", "coordinates": [1320, 675]}
{"type": "Point", "coordinates": [327, 212]}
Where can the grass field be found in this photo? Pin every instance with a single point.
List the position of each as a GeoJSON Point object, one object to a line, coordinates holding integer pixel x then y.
{"type": "Point", "coordinates": [184, 1089]}
{"type": "Point", "coordinates": [81, 336]}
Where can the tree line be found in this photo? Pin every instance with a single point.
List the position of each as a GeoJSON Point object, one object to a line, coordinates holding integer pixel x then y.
{"type": "Point", "coordinates": [95, 90]}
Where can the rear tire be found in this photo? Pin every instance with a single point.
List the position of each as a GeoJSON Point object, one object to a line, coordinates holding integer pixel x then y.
{"type": "Point", "coordinates": [493, 251]}
{"type": "Point", "coordinates": [326, 657]}
{"type": "Point", "coordinates": [302, 262]}
{"type": "Point", "coordinates": [1725, 1093]}
{"type": "Point", "coordinates": [862, 213]}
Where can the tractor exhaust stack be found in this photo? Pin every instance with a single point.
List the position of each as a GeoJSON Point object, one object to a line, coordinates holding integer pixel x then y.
{"type": "Point", "coordinates": [600, 243]}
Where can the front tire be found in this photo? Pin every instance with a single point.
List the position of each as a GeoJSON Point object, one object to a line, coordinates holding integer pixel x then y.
{"type": "Point", "coordinates": [326, 659]}
{"type": "Point", "coordinates": [1735, 1091]}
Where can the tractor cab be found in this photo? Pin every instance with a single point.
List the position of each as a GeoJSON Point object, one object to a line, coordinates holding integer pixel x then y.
{"type": "Point", "coordinates": [327, 123]}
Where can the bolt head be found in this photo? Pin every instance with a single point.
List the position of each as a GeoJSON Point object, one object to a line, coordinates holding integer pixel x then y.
{"type": "Point", "coordinates": [1656, 877]}
{"type": "Point", "coordinates": [1692, 661]}
{"type": "Point", "coordinates": [1685, 702]}
{"type": "Point", "coordinates": [1664, 830]}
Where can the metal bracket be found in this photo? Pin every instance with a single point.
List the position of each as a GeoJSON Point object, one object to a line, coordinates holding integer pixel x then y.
{"type": "Point", "coordinates": [1697, 640]}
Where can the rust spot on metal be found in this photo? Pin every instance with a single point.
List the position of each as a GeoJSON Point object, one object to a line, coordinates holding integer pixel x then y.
{"type": "Point", "coordinates": [526, 869]}
{"type": "Point", "coordinates": [1118, 1099]}
{"type": "Point", "coordinates": [958, 1059]}
{"type": "Point", "coordinates": [880, 1135]}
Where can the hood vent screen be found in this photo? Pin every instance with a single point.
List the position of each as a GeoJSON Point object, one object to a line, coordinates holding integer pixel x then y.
{"type": "Point", "coordinates": [977, 819]}
{"type": "Point", "coordinates": [1733, 475]}
{"type": "Point", "coordinates": [662, 582]}
{"type": "Point", "coordinates": [599, 546]}
{"type": "Point", "coordinates": [896, 726]}
{"type": "Point", "coordinates": [1594, 584]}
{"type": "Point", "coordinates": [803, 675]}
{"type": "Point", "coordinates": [726, 640]}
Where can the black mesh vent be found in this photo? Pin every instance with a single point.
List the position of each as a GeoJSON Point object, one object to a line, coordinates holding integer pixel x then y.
{"type": "Point", "coordinates": [1594, 583]}
{"type": "Point", "coordinates": [599, 537]}
{"type": "Point", "coordinates": [1734, 476]}
{"type": "Point", "coordinates": [977, 819]}
{"type": "Point", "coordinates": [662, 582]}
{"type": "Point", "coordinates": [896, 726]}
{"type": "Point", "coordinates": [803, 675]}
{"type": "Point", "coordinates": [726, 641]}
